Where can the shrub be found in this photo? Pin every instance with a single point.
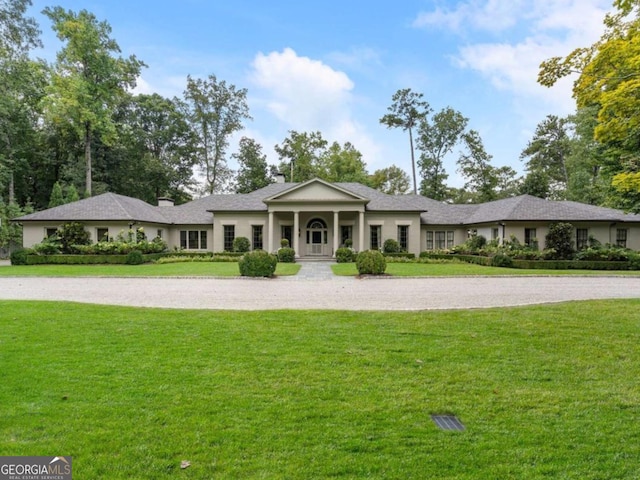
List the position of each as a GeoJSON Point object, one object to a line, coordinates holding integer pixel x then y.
{"type": "Point", "coordinates": [49, 246]}
{"type": "Point", "coordinates": [560, 239]}
{"type": "Point", "coordinates": [284, 243]}
{"type": "Point", "coordinates": [257, 264]}
{"type": "Point", "coordinates": [348, 243]}
{"type": "Point", "coordinates": [371, 262]}
{"type": "Point", "coordinates": [476, 242]}
{"type": "Point", "coordinates": [634, 261]}
{"type": "Point", "coordinates": [19, 257]}
{"type": "Point", "coordinates": [502, 260]}
{"type": "Point", "coordinates": [286, 255]}
{"type": "Point", "coordinates": [241, 244]}
{"type": "Point", "coordinates": [71, 234]}
{"type": "Point", "coordinates": [134, 257]}
{"type": "Point", "coordinates": [391, 246]}
{"type": "Point", "coordinates": [344, 255]}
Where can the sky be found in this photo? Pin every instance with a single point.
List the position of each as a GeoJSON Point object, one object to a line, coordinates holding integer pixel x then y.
{"type": "Point", "coordinates": [333, 66]}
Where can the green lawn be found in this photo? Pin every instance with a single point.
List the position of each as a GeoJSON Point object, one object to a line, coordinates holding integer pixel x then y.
{"type": "Point", "coordinates": [214, 269]}
{"type": "Point", "coordinates": [544, 392]}
{"type": "Point", "coordinates": [462, 269]}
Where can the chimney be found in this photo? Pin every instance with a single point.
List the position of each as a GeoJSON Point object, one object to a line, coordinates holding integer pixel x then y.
{"type": "Point", "coordinates": [279, 177]}
{"type": "Point", "coordinates": [165, 202]}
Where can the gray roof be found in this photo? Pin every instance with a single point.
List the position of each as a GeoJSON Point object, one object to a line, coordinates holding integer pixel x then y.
{"type": "Point", "coordinates": [524, 208]}
{"type": "Point", "coordinates": [105, 207]}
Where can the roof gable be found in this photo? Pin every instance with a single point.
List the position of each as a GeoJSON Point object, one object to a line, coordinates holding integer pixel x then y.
{"type": "Point", "coordinates": [316, 190]}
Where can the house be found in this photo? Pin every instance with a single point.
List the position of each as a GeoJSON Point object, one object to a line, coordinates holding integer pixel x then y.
{"type": "Point", "coordinates": [317, 217]}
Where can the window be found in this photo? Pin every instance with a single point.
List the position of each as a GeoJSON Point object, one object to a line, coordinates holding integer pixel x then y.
{"type": "Point", "coordinates": [287, 232]}
{"type": "Point", "coordinates": [621, 237]}
{"type": "Point", "coordinates": [229, 237]}
{"type": "Point", "coordinates": [193, 239]}
{"type": "Point", "coordinates": [375, 231]}
{"type": "Point", "coordinates": [440, 240]}
{"type": "Point", "coordinates": [346, 233]}
{"type": "Point", "coordinates": [102, 234]}
{"type": "Point", "coordinates": [530, 237]}
{"type": "Point", "coordinates": [257, 237]}
{"type": "Point", "coordinates": [582, 238]}
{"type": "Point", "coordinates": [495, 234]}
{"type": "Point", "coordinates": [159, 235]}
{"type": "Point", "coordinates": [50, 232]}
{"type": "Point", "coordinates": [429, 240]}
{"type": "Point", "coordinates": [403, 237]}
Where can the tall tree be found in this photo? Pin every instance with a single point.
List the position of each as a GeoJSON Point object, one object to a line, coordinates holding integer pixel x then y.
{"type": "Point", "coordinates": [548, 152]}
{"type": "Point", "coordinates": [300, 155]}
{"type": "Point", "coordinates": [217, 110]}
{"type": "Point", "coordinates": [88, 79]}
{"type": "Point", "coordinates": [405, 112]}
{"type": "Point", "coordinates": [56, 198]}
{"type": "Point", "coordinates": [253, 171]}
{"type": "Point", "coordinates": [342, 163]}
{"type": "Point", "coordinates": [475, 166]}
{"type": "Point", "coordinates": [436, 139]}
{"type": "Point", "coordinates": [391, 180]}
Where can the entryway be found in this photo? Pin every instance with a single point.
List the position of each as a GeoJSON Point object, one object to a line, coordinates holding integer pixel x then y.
{"type": "Point", "coordinates": [317, 235]}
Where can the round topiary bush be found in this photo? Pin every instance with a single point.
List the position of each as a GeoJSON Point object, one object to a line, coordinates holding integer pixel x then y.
{"type": "Point", "coordinates": [19, 257]}
{"type": "Point", "coordinates": [241, 244]}
{"type": "Point", "coordinates": [134, 257]}
{"type": "Point", "coordinates": [371, 262]}
{"type": "Point", "coordinates": [344, 255]}
{"type": "Point", "coordinates": [502, 260]}
{"type": "Point", "coordinates": [391, 246]}
{"type": "Point", "coordinates": [286, 255]}
{"type": "Point", "coordinates": [258, 264]}
{"type": "Point", "coordinates": [284, 243]}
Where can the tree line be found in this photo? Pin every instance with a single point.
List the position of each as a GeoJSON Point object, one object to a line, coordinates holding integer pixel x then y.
{"type": "Point", "coordinates": [72, 128]}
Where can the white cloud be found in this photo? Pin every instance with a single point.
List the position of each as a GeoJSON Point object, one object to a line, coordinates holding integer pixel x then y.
{"type": "Point", "coordinates": [308, 95]}
{"type": "Point", "coordinates": [490, 15]}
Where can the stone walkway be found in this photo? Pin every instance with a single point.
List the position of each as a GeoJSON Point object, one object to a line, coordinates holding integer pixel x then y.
{"type": "Point", "coordinates": [313, 271]}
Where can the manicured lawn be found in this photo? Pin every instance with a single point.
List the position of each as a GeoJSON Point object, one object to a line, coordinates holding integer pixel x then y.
{"type": "Point", "coordinates": [544, 392]}
{"type": "Point", "coordinates": [461, 269]}
{"type": "Point", "coordinates": [214, 269]}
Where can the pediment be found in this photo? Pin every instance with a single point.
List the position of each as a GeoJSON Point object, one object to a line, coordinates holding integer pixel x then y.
{"type": "Point", "coordinates": [316, 190]}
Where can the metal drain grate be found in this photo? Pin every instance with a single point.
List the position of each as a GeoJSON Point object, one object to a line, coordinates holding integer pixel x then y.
{"type": "Point", "coordinates": [448, 422]}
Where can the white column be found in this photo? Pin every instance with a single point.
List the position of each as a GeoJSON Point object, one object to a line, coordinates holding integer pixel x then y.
{"type": "Point", "coordinates": [270, 234]}
{"type": "Point", "coordinates": [336, 232]}
{"type": "Point", "coordinates": [361, 232]}
{"type": "Point", "coordinates": [296, 233]}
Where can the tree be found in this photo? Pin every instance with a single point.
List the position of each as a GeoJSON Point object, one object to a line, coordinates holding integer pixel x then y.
{"type": "Point", "coordinates": [475, 166]}
{"type": "Point", "coordinates": [436, 139]}
{"type": "Point", "coordinates": [71, 194]}
{"type": "Point", "coordinates": [216, 111]}
{"type": "Point", "coordinates": [342, 163]}
{"type": "Point", "coordinates": [559, 239]}
{"type": "Point", "coordinates": [300, 155]}
{"type": "Point", "coordinates": [88, 80]}
{"type": "Point", "coordinates": [535, 183]}
{"type": "Point", "coordinates": [548, 152]}
{"type": "Point", "coordinates": [406, 111]}
{"type": "Point", "coordinates": [254, 171]}
{"type": "Point", "coordinates": [391, 180]}
{"type": "Point", "coordinates": [56, 198]}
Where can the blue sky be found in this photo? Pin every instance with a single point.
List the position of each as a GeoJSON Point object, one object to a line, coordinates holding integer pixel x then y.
{"type": "Point", "coordinates": [333, 66]}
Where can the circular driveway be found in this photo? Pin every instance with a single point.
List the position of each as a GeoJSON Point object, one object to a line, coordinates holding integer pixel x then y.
{"type": "Point", "coordinates": [340, 293]}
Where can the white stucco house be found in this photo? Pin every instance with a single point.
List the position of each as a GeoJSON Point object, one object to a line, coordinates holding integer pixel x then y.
{"type": "Point", "coordinates": [317, 217]}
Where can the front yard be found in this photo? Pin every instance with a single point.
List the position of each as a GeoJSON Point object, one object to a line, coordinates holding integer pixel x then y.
{"type": "Point", "coordinates": [544, 392]}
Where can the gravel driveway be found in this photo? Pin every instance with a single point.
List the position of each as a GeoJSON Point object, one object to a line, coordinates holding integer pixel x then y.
{"type": "Point", "coordinates": [343, 293]}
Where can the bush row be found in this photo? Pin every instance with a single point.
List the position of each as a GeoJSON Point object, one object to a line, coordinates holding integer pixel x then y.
{"type": "Point", "coordinates": [84, 259]}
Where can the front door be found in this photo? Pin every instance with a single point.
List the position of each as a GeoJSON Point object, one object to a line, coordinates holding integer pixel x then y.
{"type": "Point", "coordinates": [316, 242]}
{"type": "Point", "coordinates": [316, 237]}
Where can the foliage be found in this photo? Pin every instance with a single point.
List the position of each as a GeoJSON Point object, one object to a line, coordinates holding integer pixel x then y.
{"type": "Point", "coordinates": [122, 246]}
{"type": "Point", "coordinates": [134, 257]}
{"type": "Point", "coordinates": [371, 262]}
{"type": "Point", "coordinates": [284, 242]}
{"type": "Point", "coordinates": [241, 244]}
{"type": "Point", "coordinates": [391, 245]}
{"type": "Point", "coordinates": [87, 80]}
{"type": "Point", "coordinates": [342, 163]}
{"type": "Point", "coordinates": [72, 234]}
{"type": "Point", "coordinates": [10, 232]}
{"type": "Point", "coordinates": [390, 180]}
{"type": "Point", "coordinates": [300, 155]}
{"type": "Point", "coordinates": [502, 260]}
{"type": "Point", "coordinates": [560, 240]}
{"type": "Point", "coordinates": [216, 111]}
{"type": "Point", "coordinates": [345, 255]}
{"type": "Point", "coordinates": [436, 139]}
{"type": "Point", "coordinates": [253, 172]}
{"type": "Point", "coordinates": [56, 198]}
{"type": "Point", "coordinates": [258, 264]}
{"type": "Point", "coordinates": [610, 253]}
{"type": "Point", "coordinates": [475, 166]}
{"type": "Point", "coordinates": [19, 256]}
{"type": "Point", "coordinates": [49, 246]}
{"type": "Point", "coordinates": [406, 111]}
{"type": "Point", "coordinates": [286, 255]}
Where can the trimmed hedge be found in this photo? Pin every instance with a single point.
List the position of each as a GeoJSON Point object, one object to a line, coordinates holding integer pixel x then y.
{"type": "Point", "coordinates": [286, 255]}
{"type": "Point", "coordinates": [400, 255]}
{"type": "Point", "coordinates": [345, 255]}
{"type": "Point", "coordinates": [371, 262]}
{"type": "Point", "coordinates": [86, 259]}
{"type": "Point", "coordinates": [258, 264]}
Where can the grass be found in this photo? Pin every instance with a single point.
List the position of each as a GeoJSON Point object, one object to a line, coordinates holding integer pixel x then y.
{"type": "Point", "coordinates": [544, 392]}
{"type": "Point", "coordinates": [453, 268]}
{"type": "Point", "coordinates": [190, 269]}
